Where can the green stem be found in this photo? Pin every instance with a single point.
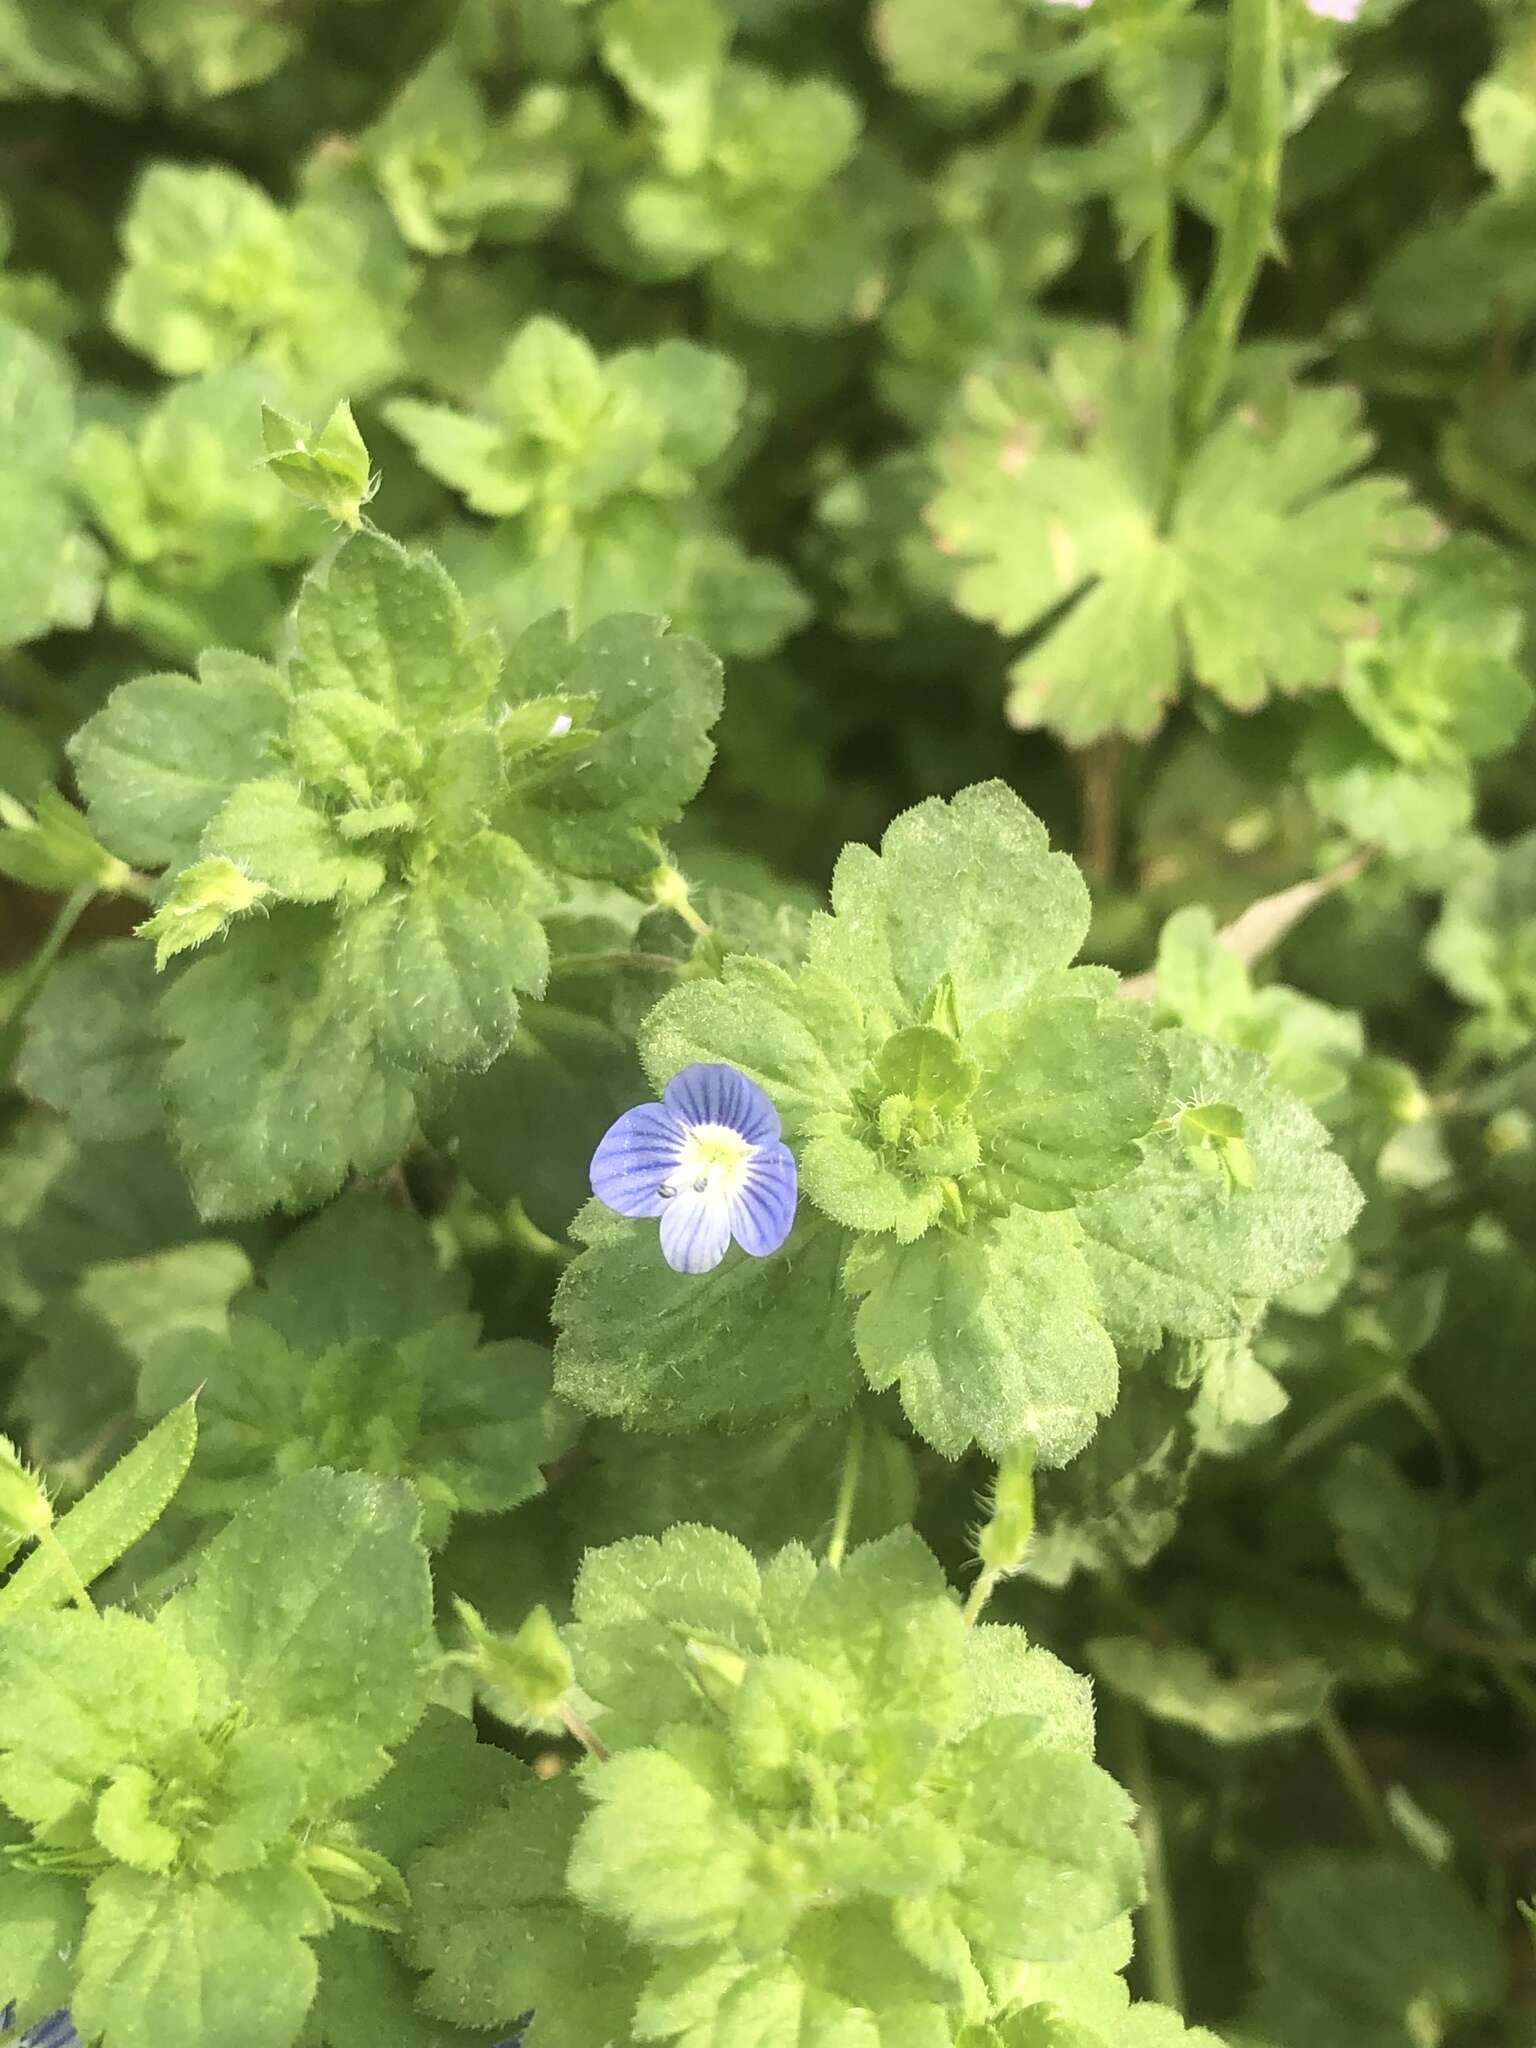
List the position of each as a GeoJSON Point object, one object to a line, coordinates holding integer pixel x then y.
{"type": "Point", "coordinates": [1256, 114]}
{"type": "Point", "coordinates": [575, 1726]}
{"type": "Point", "coordinates": [981, 1593]}
{"type": "Point", "coordinates": [1158, 1922]}
{"type": "Point", "coordinates": [1354, 1777]}
{"type": "Point", "coordinates": [527, 1236]}
{"type": "Point", "coordinates": [847, 1492]}
{"type": "Point", "coordinates": [1157, 310]}
{"type": "Point", "coordinates": [37, 972]}
{"type": "Point", "coordinates": [1328, 1422]}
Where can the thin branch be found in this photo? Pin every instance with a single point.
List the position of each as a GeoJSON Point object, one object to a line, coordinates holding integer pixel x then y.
{"type": "Point", "coordinates": [1260, 928]}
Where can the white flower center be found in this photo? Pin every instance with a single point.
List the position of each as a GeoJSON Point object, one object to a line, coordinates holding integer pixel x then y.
{"type": "Point", "coordinates": [713, 1161]}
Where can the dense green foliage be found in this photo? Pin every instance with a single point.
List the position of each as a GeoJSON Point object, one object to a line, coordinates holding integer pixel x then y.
{"type": "Point", "coordinates": [972, 561]}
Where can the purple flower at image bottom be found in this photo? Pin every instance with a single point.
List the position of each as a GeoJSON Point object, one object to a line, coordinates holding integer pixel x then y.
{"type": "Point", "coordinates": [708, 1160]}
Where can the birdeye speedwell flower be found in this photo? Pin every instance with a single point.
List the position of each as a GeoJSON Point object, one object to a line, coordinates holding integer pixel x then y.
{"type": "Point", "coordinates": [709, 1161]}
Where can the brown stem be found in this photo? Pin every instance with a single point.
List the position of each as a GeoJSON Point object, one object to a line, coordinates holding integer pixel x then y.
{"type": "Point", "coordinates": [1098, 769]}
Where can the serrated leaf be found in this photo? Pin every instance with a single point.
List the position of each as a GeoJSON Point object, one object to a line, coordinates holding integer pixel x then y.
{"type": "Point", "coordinates": [669, 1351]}
{"type": "Point", "coordinates": [275, 1090]}
{"type": "Point", "coordinates": [53, 568]}
{"type": "Point", "coordinates": [497, 1930]}
{"type": "Point", "coordinates": [1174, 1248]}
{"type": "Point", "coordinates": [93, 1050]}
{"type": "Point", "coordinates": [168, 1964]}
{"type": "Point", "coordinates": [1068, 1088]}
{"type": "Point", "coordinates": [967, 888]}
{"type": "Point", "coordinates": [161, 757]}
{"type": "Point", "coordinates": [1060, 491]}
{"type": "Point", "coordinates": [214, 270]}
{"type": "Point", "coordinates": [443, 959]}
{"type": "Point", "coordinates": [321, 1579]}
{"type": "Point", "coordinates": [82, 1695]}
{"type": "Point", "coordinates": [992, 1335]}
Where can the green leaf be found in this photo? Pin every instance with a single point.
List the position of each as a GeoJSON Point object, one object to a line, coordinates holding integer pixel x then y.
{"type": "Point", "coordinates": [525, 1129]}
{"type": "Point", "coordinates": [993, 1335]}
{"type": "Point", "coordinates": [116, 1512]}
{"type": "Point", "coordinates": [496, 1930]}
{"type": "Point", "coordinates": [50, 847]}
{"type": "Point", "coordinates": [967, 888]}
{"type": "Point", "coordinates": [198, 529]}
{"type": "Point", "coordinates": [800, 1038]}
{"type": "Point", "coordinates": [53, 568]}
{"type": "Point", "coordinates": [40, 1923]}
{"type": "Point", "coordinates": [1386, 1530]}
{"type": "Point", "coordinates": [164, 753]}
{"type": "Point", "coordinates": [443, 957]}
{"type": "Point", "coordinates": [1068, 1088]}
{"type": "Point", "coordinates": [1369, 1952]}
{"type": "Point", "coordinates": [93, 1050]}
{"type": "Point", "coordinates": [402, 1389]}
{"type": "Point", "coordinates": [1484, 946]}
{"type": "Point", "coordinates": [670, 1351]}
{"type": "Point", "coordinates": [643, 749]}
{"type": "Point", "coordinates": [215, 270]}
{"type": "Point", "coordinates": [82, 1695]}
{"type": "Point", "coordinates": [171, 1964]}
{"type": "Point", "coordinates": [1181, 1685]}
{"type": "Point", "coordinates": [1057, 485]}
{"type": "Point", "coordinates": [388, 624]}
{"type": "Point", "coordinates": [319, 1581]}
{"type": "Point", "coordinates": [268, 831]}
{"type": "Point", "coordinates": [766, 1487]}
{"type": "Point", "coordinates": [274, 1086]}
{"type": "Point", "coordinates": [1175, 1248]}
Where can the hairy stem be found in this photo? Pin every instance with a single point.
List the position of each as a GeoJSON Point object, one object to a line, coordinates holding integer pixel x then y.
{"type": "Point", "coordinates": [847, 1492]}
{"type": "Point", "coordinates": [1256, 112]}
{"type": "Point", "coordinates": [981, 1593]}
{"type": "Point", "coordinates": [36, 973]}
{"type": "Point", "coordinates": [575, 1726]}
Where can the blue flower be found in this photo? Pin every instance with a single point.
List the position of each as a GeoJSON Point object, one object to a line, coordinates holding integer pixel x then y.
{"type": "Point", "coordinates": [707, 1159]}
{"type": "Point", "coordinates": [56, 2030]}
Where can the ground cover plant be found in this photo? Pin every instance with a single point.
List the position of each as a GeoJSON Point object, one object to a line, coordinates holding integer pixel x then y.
{"type": "Point", "coordinates": [767, 1024]}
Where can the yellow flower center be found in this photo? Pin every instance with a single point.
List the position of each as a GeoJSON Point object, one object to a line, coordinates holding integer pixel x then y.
{"type": "Point", "coordinates": [714, 1160]}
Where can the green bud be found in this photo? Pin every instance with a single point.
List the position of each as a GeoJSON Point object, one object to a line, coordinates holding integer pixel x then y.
{"type": "Point", "coordinates": [1510, 1132]}
{"type": "Point", "coordinates": [25, 1510]}
{"type": "Point", "coordinates": [892, 1118]}
{"type": "Point", "coordinates": [51, 847]}
{"type": "Point", "coordinates": [1005, 1536]}
{"type": "Point", "coordinates": [359, 1884]}
{"type": "Point", "coordinates": [1212, 1136]}
{"type": "Point", "coordinates": [941, 1009]}
{"type": "Point", "coordinates": [718, 1672]}
{"type": "Point", "coordinates": [329, 471]}
{"type": "Point", "coordinates": [202, 900]}
{"type": "Point", "coordinates": [525, 1676]}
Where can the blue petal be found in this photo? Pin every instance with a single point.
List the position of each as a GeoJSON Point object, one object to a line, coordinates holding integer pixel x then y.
{"type": "Point", "coordinates": [56, 2031]}
{"type": "Point", "coordinates": [635, 1156]}
{"type": "Point", "coordinates": [714, 1094]}
{"type": "Point", "coordinates": [763, 1210]}
{"type": "Point", "coordinates": [695, 1231]}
